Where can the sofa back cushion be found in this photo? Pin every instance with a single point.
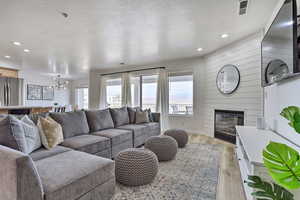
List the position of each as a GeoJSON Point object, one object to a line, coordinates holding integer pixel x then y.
{"type": "Point", "coordinates": [99, 119]}
{"type": "Point", "coordinates": [120, 116]}
{"type": "Point", "coordinates": [73, 123]}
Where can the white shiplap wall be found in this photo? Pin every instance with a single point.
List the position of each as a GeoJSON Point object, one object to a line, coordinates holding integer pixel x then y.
{"type": "Point", "coordinates": [245, 54]}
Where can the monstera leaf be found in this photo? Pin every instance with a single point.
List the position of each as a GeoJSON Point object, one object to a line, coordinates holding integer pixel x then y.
{"type": "Point", "coordinates": [292, 113]}
{"type": "Point", "coordinates": [265, 190]}
{"type": "Point", "coordinates": [283, 164]}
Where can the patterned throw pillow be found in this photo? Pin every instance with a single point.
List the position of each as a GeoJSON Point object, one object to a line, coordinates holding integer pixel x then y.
{"type": "Point", "coordinates": [51, 132]}
{"type": "Point", "coordinates": [32, 135]}
{"type": "Point", "coordinates": [141, 117]}
{"type": "Point", "coordinates": [150, 115]}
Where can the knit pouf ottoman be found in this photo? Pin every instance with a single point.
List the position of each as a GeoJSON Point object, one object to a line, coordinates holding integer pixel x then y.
{"type": "Point", "coordinates": [179, 135]}
{"type": "Point", "coordinates": [136, 167]}
{"type": "Point", "coordinates": [165, 147]}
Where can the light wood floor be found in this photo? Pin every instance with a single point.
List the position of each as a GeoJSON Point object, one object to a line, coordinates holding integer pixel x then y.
{"type": "Point", "coordinates": [230, 182]}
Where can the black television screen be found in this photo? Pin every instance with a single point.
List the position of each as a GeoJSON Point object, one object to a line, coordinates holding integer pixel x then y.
{"type": "Point", "coordinates": [279, 47]}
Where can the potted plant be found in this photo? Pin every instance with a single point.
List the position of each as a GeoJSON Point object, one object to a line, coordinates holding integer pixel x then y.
{"type": "Point", "coordinates": [282, 163]}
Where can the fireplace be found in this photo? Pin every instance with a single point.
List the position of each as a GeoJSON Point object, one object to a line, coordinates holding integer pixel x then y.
{"type": "Point", "coordinates": [225, 122]}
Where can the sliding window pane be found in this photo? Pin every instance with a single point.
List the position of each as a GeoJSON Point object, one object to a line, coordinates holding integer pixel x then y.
{"type": "Point", "coordinates": [181, 94]}
{"type": "Point", "coordinates": [82, 98]}
{"type": "Point", "coordinates": [149, 88]}
{"type": "Point", "coordinates": [114, 93]}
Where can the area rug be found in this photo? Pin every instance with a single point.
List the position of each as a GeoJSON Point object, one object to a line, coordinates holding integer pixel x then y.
{"type": "Point", "coordinates": [193, 175]}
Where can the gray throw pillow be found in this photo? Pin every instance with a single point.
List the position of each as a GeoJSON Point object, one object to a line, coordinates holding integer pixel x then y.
{"type": "Point", "coordinates": [141, 117]}
{"type": "Point", "coordinates": [120, 116]}
{"type": "Point", "coordinates": [12, 134]}
{"type": "Point", "coordinates": [99, 119]}
{"type": "Point", "coordinates": [150, 115]}
{"type": "Point", "coordinates": [32, 135]}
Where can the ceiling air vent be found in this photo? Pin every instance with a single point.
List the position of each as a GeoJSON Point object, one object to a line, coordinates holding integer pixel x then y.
{"type": "Point", "coordinates": [243, 5]}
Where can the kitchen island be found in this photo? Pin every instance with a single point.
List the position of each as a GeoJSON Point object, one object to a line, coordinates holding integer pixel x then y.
{"type": "Point", "coordinates": [22, 110]}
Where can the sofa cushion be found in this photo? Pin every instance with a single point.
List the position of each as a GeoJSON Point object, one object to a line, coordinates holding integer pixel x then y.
{"type": "Point", "coordinates": [87, 143]}
{"type": "Point", "coordinates": [131, 114]}
{"type": "Point", "coordinates": [45, 153]}
{"type": "Point", "coordinates": [116, 136]}
{"type": "Point", "coordinates": [73, 123]}
{"type": "Point", "coordinates": [72, 174]}
{"type": "Point", "coordinates": [138, 130]}
{"type": "Point", "coordinates": [153, 128]}
{"type": "Point", "coordinates": [12, 133]}
{"type": "Point", "coordinates": [99, 119]}
{"type": "Point", "coordinates": [120, 116]}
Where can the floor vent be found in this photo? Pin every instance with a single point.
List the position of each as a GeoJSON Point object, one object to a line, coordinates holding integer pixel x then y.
{"type": "Point", "coordinates": [243, 5]}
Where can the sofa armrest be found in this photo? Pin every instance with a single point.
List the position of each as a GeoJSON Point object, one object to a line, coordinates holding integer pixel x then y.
{"type": "Point", "coordinates": [19, 178]}
{"type": "Point", "coordinates": [156, 117]}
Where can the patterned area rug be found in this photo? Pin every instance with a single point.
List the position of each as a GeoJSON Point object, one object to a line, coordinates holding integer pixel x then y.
{"type": "Point", "coordinates": [193, 175]}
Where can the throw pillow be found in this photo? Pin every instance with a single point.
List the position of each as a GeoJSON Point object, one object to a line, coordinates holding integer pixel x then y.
{"type": "Point", "coordinates": [150, 115]}
{"type": "Point", "coordinates": [141, 117]}
{"type": "Point", "coordinates": [12, 133]}
{"type": "Point", "coordinates": [32, 135]}
{"type": "Point", "coordinates": [51, 132]}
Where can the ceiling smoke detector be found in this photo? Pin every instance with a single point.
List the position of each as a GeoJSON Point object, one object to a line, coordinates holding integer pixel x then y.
{"type": "Point", "coordinates": [243, 6]}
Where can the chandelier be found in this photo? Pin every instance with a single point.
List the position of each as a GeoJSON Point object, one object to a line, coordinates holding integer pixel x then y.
{"type": "Point", "coordinates": [60, 83]}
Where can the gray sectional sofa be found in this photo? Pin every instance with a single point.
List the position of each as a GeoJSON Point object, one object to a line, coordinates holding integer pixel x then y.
{"type": "Point", "coordinates": [80, 168]}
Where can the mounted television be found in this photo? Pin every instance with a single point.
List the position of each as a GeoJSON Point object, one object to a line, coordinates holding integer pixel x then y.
{"type": "Point", "coordinates": [279, 47]}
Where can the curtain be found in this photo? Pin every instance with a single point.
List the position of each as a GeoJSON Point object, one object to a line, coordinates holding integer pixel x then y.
{"type": "Point", "coordinates": [103, 103]}
{"type": "Point", "coordinates": [162, 98]}
{"type": "Point", "coordinates": [126, 90]}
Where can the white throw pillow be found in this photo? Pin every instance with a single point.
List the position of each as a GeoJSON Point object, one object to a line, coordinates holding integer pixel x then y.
{"type": "Point", "coordinates": [32, 135]}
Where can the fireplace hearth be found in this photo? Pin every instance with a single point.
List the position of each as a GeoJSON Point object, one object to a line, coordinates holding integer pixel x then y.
{"type": "Point", "coordinates": [225, 122]}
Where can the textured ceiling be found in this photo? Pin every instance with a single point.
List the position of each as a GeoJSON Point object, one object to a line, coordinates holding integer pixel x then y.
{"type": "Point", "coordinates": [102, 33]}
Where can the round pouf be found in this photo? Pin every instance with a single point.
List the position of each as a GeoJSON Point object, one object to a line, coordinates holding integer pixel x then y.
{"type": "Point", "coordinates": [165, 147]}
{"type": "Point", "coordinates": [136, 167]}
{"type": "Point", "coordinates": [179, 135]}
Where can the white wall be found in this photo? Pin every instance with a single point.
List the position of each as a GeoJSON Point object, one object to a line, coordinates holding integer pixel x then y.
{"type": "Point", "coordinates": [62, 97]}
{"type": "Point", "coordinates": [245, 54]}
{"type": "Point", "coordinates": [281, 95]}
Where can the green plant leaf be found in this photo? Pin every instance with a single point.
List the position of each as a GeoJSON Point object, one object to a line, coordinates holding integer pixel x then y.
{"type": "Point", "coordinates": [283, 164]}
{"type": "Point", "coordinates": [267, 191]}
{"type": "Point", "coordinates": [292, 114]}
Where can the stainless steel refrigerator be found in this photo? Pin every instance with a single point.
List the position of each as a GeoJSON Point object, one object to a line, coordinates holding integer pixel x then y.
{"type": "Point", "coordinates": [11, 91]}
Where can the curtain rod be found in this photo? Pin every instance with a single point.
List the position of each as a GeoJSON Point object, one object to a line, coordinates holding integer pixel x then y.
{"type": "Point", "coordinates": [137, 70]}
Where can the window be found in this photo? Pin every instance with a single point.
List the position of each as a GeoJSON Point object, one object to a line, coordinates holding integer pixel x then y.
{"type": "Point", "coordinates": [149, 88]}
{"type": "Point", "coordinates": [181, 94]}
{"type": "Point", "coordinates": [82, 98]}
{"type": "Point", "coordinates": [114, 93]}
{"type": "Point", "coordinates": [143, 91]}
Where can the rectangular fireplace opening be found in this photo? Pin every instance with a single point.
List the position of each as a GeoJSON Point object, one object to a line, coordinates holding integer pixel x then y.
{"type": "Point", "coordinates": [225, 122]}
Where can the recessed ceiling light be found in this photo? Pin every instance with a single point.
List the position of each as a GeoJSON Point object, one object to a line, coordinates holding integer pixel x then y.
{"type": "Point", "coordinates": [26, 50]}
{"type": "Point", "coordinates": [199, 49]}
{"type": "Point", "coordinates": [17, 43]}
{"type": "Point", "coordinates": [8, 57]}
{"type": "Point", "coordinates": [224, 35]}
